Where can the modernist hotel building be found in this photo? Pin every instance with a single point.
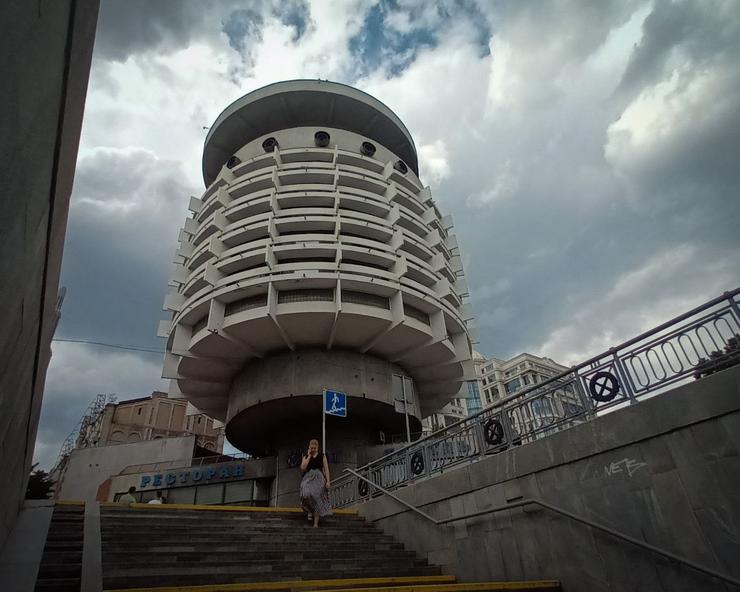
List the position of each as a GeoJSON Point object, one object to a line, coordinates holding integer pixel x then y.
{"type": "Point", "coordinates": [315, 259]}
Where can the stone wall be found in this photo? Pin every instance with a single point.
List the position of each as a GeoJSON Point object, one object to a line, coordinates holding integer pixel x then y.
{"type": "Point", "coordinates": [665, 471]}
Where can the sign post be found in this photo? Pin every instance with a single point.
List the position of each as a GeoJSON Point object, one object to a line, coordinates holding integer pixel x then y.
{"type": "Point", "coordinates": [406, 409]}
{"type": "Point", "coordinates": [334, 403]}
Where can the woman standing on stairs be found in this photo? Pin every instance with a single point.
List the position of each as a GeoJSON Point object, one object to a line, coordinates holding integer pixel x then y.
{"type": "Point", "coordinates": [315, 484]}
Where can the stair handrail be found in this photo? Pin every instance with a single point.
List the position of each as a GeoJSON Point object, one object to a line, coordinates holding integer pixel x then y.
{"type": "Point", "coordinates": [563, 512]}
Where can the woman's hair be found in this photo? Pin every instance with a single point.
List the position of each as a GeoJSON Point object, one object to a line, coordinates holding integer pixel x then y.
{"type": "Point", "coordinates": [313, 441]}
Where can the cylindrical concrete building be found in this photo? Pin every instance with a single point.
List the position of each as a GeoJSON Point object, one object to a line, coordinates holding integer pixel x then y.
{"type": "Point", "coordinates": [315, 259]}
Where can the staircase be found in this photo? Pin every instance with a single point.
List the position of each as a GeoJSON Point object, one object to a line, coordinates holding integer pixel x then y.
{"type": "Point", "coordinates": [261, 549]}
{"type": "Point", "coordinates": [61, 562]}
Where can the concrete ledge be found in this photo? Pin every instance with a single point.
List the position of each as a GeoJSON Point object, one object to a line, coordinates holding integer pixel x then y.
{"type": "Point", "coordinates": [21, 556]}
{"type": "Point", "coordinates": [712, 397]}
{"type": "Point", "coordinates": [91, 579]}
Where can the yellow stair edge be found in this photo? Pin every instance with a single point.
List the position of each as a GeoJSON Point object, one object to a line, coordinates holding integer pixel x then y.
{"type": "Point", "coordinates": [296, 584]}
{"type": "Point", "coordinates": [69, 503]}
{"type": "Point", "coordinates": [462, 587]}
{"type": "Point", "coordinates": [218, 508]}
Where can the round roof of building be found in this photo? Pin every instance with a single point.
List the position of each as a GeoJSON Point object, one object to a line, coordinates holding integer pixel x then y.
{"type": "Point", "coordinates": [296, 103]}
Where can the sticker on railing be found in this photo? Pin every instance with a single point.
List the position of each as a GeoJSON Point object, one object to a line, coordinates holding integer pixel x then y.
{"type": "Point", "coordinates": [603, 386]}
{"type": "Point", "coordinates": [493, 432]}
{"type": "Point", "coordinates": [417, 463]}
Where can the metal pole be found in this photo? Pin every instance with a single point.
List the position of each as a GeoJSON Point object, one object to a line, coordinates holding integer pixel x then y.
{"type": "Point", "coordinates": [277, 477]}
{"type": "Point", "coordinates": [323, 422]}
{"type": "Point", "coordinates": [406, 409]}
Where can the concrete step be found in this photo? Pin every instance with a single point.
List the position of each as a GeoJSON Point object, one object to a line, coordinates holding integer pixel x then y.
{"type": "Point", "coordinates": [227, 546]}
{"type": "Point", "coordinates": [217, 512]}
{"type": "Point", "coordinates": [63, 555]}
{"type": "Point", "coordinates": [61, 560]}
{"type": "Point", "coordinates": [60, 570]}
{"type": "Point", "coordinates": [251, 568]}
{"type": "Point", "coordinates": [148, 581]}
{"type": "Point", "coordinates": [259, 566]}
{"type": "Point", "coordinates": [234, 527]}
{"type": "Point", "coordinates": [58, 585]}
{"type": "Point", "coordinates": [130, 539]}
{"type": "Point", "coordinates": [68, 537]}
{"type": "Point", "coordinates": [59, 546]}
{"type": "Point", "coordinates": [521, 586]}
{"type": "Point", "coordinates": [164, 558]}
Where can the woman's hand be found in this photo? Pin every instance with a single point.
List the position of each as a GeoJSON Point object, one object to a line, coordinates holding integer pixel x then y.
{"type": "Point", "coordinates": [328, 485]}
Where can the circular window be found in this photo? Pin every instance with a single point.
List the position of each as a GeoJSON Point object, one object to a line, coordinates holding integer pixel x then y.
{"type": "Point", "coordinates": [232, 162]}
{"type": "Point", "coordinates": [401, 167]}
{"type": "Point", "coordinates": [367, 148]}
{"type": "Point", "coordinates": [321, 139]}
{"type": "Point", "coordinates": [269, 145]}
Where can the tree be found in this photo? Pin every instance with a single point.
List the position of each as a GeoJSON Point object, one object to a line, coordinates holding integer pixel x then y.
{"type": "Point", "coordinates": [39, 484]}
{"type": "Point", "coordinates": [720, 359]}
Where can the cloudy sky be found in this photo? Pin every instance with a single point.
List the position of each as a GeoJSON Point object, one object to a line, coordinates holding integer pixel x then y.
{"type": "Point", "coordinates": [588, 152]}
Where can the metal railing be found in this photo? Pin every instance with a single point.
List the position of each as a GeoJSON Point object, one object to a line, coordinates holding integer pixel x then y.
{"type": "Point", "coordinates": [690, 345]}
{"type": "Point", "coordinates": [538, 502]}
{"type": "Point", "coordinates": [179, 464]}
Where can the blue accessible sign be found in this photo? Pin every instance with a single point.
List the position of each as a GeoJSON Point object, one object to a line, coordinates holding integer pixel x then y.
{"type": "Point", "coordinates": [335, 403]}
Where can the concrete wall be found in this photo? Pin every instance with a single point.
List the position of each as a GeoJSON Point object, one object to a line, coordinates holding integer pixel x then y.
{"type": "Point", "coordinates": [46, 49]}
{"type": "Point", "coordinates": [87, 468]}
{"type": "Point", "coordinates": [666, 471]}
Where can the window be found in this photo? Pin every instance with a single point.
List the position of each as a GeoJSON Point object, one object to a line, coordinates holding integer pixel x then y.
{"type": "Point", "coordinates": [138, 411]}
{"type": "Point", "coordinates": [366, 299]}
{"type": "Point", "coordinates": [209, 494]}
{"type": "Point", "coordinates": [246, 304]}
{"type": "Point", "coordinates": [316, 295]}
{"type": "Point", "coordinates": [240, 491]}
{"type": "Point", "coordinates": [513, 386]}
{"type": "Point", "coordinates": [181, 495]}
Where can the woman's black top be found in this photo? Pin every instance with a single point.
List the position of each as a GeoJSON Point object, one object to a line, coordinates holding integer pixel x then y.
{"type": "Point", "coordinates": [316, 462]}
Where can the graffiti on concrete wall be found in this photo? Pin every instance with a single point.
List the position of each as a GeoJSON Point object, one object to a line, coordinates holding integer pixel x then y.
{"type": "Point", "coordinates": [628, 466]}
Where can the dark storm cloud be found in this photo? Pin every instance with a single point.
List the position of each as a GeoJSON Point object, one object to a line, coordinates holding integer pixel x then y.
{"type": "Point", "coordinates": [576, 229]}
{"type": "Point", "coordinates": [78, 373]}
{"type": "Point", "coordinates": [689, 35]}
{"type": "Point", "coordinates": [127, 207]}
{"type": "Point", "coordinates": [241, 26]}
{"type": "Point", "coordinates": [136, 26]}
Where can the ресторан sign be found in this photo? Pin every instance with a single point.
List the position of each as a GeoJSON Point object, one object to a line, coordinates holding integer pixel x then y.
{"type": "Point", "coordinates": [179, 478]}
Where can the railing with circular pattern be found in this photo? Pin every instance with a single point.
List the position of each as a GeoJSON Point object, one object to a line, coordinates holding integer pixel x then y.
{"type": "Point", "coordinates": [701, 341]}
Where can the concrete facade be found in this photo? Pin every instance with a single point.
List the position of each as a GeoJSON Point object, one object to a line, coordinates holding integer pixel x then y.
{"type": "Point", "coordinates": [314, 259]}
{"type": "Point", "coordinates": [150, 418]}
{"type": "Point", "coordinates": [666, 471]}
{"type": "Point", "coordinates": [237, 482]}
{"type": "Point", "coordinates": [502, 378]}
{"type": "Point", "coordinates": [47, 50]}
{"type": "Point", "coordinates": [88, 468]}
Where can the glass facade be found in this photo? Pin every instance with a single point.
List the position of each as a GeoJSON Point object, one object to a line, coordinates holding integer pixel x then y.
{"type": "Point", "coordinates": [247, 492]}
{"type": "Point", "coordinates": [472, 401]}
